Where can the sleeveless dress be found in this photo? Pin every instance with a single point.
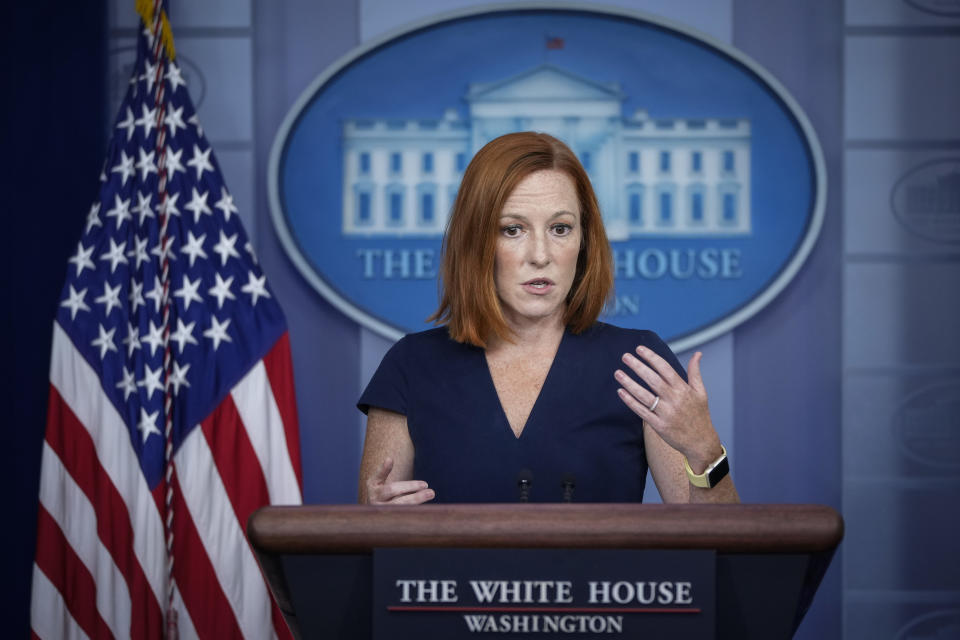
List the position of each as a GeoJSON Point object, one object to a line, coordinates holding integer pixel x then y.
{"type": "Point", "coordinates": [578, 429]}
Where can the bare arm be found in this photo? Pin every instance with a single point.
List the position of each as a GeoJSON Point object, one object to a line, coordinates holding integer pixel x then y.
{"type": "Point", "coordinates": [386, 468]}
{"type": "Point", "coordinates": [680, 425]}
{"type": "Point", "coordinates": [666, 467]}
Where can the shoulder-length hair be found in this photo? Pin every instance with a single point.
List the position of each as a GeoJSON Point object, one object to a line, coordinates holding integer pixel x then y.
{"type": "Point", "coordinates": [469, 304]}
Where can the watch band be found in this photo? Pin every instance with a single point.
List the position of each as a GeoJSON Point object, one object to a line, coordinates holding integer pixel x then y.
{"type": "Point", "coordinates": [713, 474]}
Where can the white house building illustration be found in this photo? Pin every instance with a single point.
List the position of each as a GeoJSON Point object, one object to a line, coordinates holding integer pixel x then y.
{"type": "Point", "coordinates": [653, 176]}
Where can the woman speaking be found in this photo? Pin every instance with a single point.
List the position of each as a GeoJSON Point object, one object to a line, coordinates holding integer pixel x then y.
{"type": "Point", "coordinates": [521, 393]}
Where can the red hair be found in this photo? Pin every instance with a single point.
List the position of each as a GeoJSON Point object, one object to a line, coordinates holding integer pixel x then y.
{"type": "Point", "coordinates": [469, 304]}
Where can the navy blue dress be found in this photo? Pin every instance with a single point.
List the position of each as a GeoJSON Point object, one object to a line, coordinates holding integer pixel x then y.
{"type": "Point", "coordinates": [464, 447]}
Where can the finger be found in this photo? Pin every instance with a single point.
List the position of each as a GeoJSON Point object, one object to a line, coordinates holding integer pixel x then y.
{"type": "Point", "coordinates": [639, 408]}
{"type": "Point", "coordinates": [647, 374]}
{"type": "Point", "coordinates": [633, 387]}
{"type": "Point", "coordinates": [660, 365]}
{"type": "Point", "coordinates": [415, 498]}
{"type": "Point", "coordinates": [393, 490]}
{"type": "Point", "coordinates": [693, 371]}
{"type": "Point", "coordinates": [383, 472]}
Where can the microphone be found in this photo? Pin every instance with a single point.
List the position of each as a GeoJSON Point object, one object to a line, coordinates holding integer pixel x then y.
{"type": "Point", "coordinates": [569, 483]}
{"type": "Point", "coordinates": [525, 481]}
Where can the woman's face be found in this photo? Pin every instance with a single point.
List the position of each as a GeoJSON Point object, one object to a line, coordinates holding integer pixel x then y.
{"type": "Point", "coordinates": [538, 244]}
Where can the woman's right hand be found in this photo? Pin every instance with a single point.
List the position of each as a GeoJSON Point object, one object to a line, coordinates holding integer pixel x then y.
{"type": "Point", "coordinates": [380, 491]}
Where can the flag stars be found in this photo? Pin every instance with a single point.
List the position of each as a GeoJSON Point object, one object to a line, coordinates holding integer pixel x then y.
{"type": "Point", "coordinates": [129, 124]}
{"type": "Point", "coordinates": [149, 74]}
{"type": "Point", "coordinates": [169, 206]}
{"type": "Point", "coordinates": [151, 380]}
{"type": "Point", "coordinates": [174, 119]}
{"type": "Point", "coordinates": [194, 247]}
{"type": "Point", "coordinates": [124, 167]}
{"type": "Point", "coordinates": [165, 252]}
{"type": "Point", "coordinates": [156, 294]}
{"type": "Point", "coordinates": [148, 424]}
{"type": "Point", "coordinates": [109, 299]}
{"type": "Point", "coordinates": [120, 210]}
{"type": "Point", "coordinates": [198, 205]}
{"type": "Point", "coordinates": [183, 334]}
{"type": "Point", "coordinates": [188, 292]}
{"type": "Point", "coordinates": [225, 247]}
{"type": "Point", "coordinates": [139, 252]}
{"type": "Point", "coordinates": [75, 302]}
{"type": "Point", "coordinates": [174, 77]}
{"type": "Point", "coordinates": [154, 338]}
{"type": "Point", "coordinates": [178, 377]}
{"type": "Point", "coordinates": [93, 217]}
{"type": "Point", "coordinates": [144, 209]}
{"type": "Point", "coordinates": [132, 340]}
{"type": "Point", "coordinates": [218, 332]}
{"type": "Point", "coordinates": [221, 290]}
{"type": "Point", "coordinates": [173, 162]}
{"type": "Point", "coordinates": [127, 385]}
{"type": "Point", "coordinates": [82, 259]}
{"type": "Point", "coordinates": [200, 161]}
{"type": "Point", "coordinates": [256, 287]}
{"type": "Point", "coordinates": [104, 341]}
{"type": "Point", "coordinates": [136, 295]}
{"type": "Point", "coordinates": [115, 254]}
{"type": "Point", "coordinates": [148, 120]}
{"type": "Point", "coordinates": [195, 121]}
{"type": "Point", "coordinates": [145, 163]}
{"type": "Point", "coordinates": [225, 204]}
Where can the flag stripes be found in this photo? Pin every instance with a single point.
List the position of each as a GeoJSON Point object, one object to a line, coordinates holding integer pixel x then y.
{"type": "Point", "coordinates": [49, 617]}
{"type": "Point", "coordinates": [117, 531]}
{"type": "Point", "coordinates": [68, 573]}
{"type": "Point", "coordinates": [95, 553]}
{"type": "Point", "coordinates": [280, 373]}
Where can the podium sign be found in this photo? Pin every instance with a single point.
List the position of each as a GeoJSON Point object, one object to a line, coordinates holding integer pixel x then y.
{"type": "Point", "coordinates": [767, 561]}
{"type": "Point", "coordinates": [461, 593]}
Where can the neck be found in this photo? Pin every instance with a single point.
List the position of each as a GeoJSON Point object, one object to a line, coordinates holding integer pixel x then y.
{"type": "Point", "coordinates": [530, 334]}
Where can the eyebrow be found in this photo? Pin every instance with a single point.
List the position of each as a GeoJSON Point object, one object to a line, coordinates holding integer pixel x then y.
{"type": "Point", "coordinates": [520, 216]}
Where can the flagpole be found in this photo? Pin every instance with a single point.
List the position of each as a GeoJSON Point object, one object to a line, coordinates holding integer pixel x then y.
{"type": "Point", "coordinates": [162, 50]}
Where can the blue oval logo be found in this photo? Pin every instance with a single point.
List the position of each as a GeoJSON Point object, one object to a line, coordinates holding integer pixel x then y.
{"type": "Point", "coordinates": [926, 426]}
{"type": "Point", "coordinates": [926, 200]}
{"type": "Point", "coordinates": [709, 176]}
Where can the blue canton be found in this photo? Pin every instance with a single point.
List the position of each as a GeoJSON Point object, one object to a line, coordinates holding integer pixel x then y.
{"type": "Point", "coordinates": [223, 317]}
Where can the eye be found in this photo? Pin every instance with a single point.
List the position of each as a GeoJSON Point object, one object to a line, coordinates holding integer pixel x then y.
{"type": "Point", "coordinates": [561, 229]}
{"type": "Point", "coordinates": [511, 230]}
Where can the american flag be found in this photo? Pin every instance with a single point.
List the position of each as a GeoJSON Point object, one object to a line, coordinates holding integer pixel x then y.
{"type": "Point", "coordinates": [212, 353]}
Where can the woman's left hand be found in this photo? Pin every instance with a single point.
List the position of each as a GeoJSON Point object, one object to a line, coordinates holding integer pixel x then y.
{"type": "Point", "coordinates": [677, 410]}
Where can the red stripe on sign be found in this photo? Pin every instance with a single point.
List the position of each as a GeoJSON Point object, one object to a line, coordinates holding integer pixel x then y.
{"type": "Point", "coordinates": [280, 373]}
{"type": "Point", "coordinates": [66, 571]}
{"type": "Point", "coordinates": [196, 578]}
{"type": "Point", "coordinates": [236, 460]}
{"type": "Point", "coordinates": [113, 517]}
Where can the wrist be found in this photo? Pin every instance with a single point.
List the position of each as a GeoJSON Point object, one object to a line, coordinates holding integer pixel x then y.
{"type": "Point", "coordinates": [713, 473]}
{"type": "Point", "coordinates": [702, 458]}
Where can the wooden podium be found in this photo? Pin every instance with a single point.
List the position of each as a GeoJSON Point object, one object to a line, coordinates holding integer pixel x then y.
{"type": "Point", "coordinates": [770, 559]}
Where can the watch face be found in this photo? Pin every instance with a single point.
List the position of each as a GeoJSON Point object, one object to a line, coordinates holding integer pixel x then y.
{"type": "Point", "coordinates": [719, 472]}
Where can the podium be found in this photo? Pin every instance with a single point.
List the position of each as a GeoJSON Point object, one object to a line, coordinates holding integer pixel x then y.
{"type": "Point", "coordinates": [770, 559]}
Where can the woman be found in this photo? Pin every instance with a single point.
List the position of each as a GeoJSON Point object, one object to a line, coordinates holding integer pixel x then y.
{"type": "Point", "coordinates": [520, 385]}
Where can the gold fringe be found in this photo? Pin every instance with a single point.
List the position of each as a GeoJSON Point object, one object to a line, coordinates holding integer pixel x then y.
{"type": "Point", "coordinates": [145, 9]}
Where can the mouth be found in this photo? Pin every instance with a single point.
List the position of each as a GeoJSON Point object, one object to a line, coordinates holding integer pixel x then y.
{"type": "Point", "coordinates": [539, 283]}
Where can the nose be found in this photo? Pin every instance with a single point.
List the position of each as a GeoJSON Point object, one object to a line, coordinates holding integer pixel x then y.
{"type": "Point", "coordinates": [538, 249]}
